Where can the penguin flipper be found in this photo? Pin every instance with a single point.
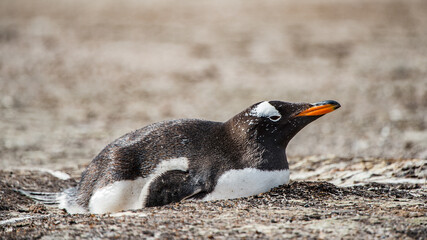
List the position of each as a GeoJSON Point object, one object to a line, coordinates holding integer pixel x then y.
{"type": "Point", "coordinates": [172, 186]}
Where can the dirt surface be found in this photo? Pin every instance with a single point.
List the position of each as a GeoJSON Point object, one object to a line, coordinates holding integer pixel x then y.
{"type": "Point", "coordinates": [302, 209]}
{"type": "Point", "coordinates": [75, 75]}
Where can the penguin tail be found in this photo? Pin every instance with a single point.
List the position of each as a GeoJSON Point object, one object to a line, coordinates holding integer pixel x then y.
{"type": "Point", "coordinates": [64, 200]}
{"type": "Point", "coordinates": [47, 198]}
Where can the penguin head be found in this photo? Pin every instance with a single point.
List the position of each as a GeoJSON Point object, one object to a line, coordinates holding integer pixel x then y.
{"type": "Point", "coordinates": [277, 122]}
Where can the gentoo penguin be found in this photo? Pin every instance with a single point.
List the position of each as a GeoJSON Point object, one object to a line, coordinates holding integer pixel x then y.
{"type": "Point", "coordinates": [175, 160]}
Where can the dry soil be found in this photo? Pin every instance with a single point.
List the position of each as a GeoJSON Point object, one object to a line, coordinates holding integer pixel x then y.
{"type": "Point", "coordinates": [75, 75]}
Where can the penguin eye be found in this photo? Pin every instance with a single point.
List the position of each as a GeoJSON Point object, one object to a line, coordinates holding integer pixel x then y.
{"type": "Point", "coordinates": [275, 118]}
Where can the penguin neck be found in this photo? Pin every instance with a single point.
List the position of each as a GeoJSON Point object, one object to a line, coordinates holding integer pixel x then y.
{"type": "Point", "coordinates": [261, 154]}
{"type": "Point", "coordinates": [274, 158]}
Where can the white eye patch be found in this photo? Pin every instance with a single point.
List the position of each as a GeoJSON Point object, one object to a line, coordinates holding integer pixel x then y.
{"type": "Point", "coordinates": [265, 109]}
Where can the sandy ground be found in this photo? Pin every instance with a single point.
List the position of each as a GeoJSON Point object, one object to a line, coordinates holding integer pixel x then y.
{"type": "Point", "coordinates": [75, 75]}
{"type": "Point", "coordinates": [316, 209]}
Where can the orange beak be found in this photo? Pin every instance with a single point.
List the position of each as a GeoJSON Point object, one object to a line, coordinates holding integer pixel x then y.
{"type": "Point", "coordinates": [320, 108]}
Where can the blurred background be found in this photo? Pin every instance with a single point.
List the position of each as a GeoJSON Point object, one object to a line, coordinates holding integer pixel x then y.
{"type": "Point", "coordinates": [75, 75]}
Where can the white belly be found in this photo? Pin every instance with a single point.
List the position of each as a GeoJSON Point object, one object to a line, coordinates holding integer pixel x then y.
{"type": "Point", "coordinates": [247, 182]}
{"type": "Point", "coordinates": [131, 194]}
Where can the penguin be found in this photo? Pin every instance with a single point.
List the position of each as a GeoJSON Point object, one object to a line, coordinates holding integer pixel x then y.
{"type": "Point", "coordinates": [171, 161]}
